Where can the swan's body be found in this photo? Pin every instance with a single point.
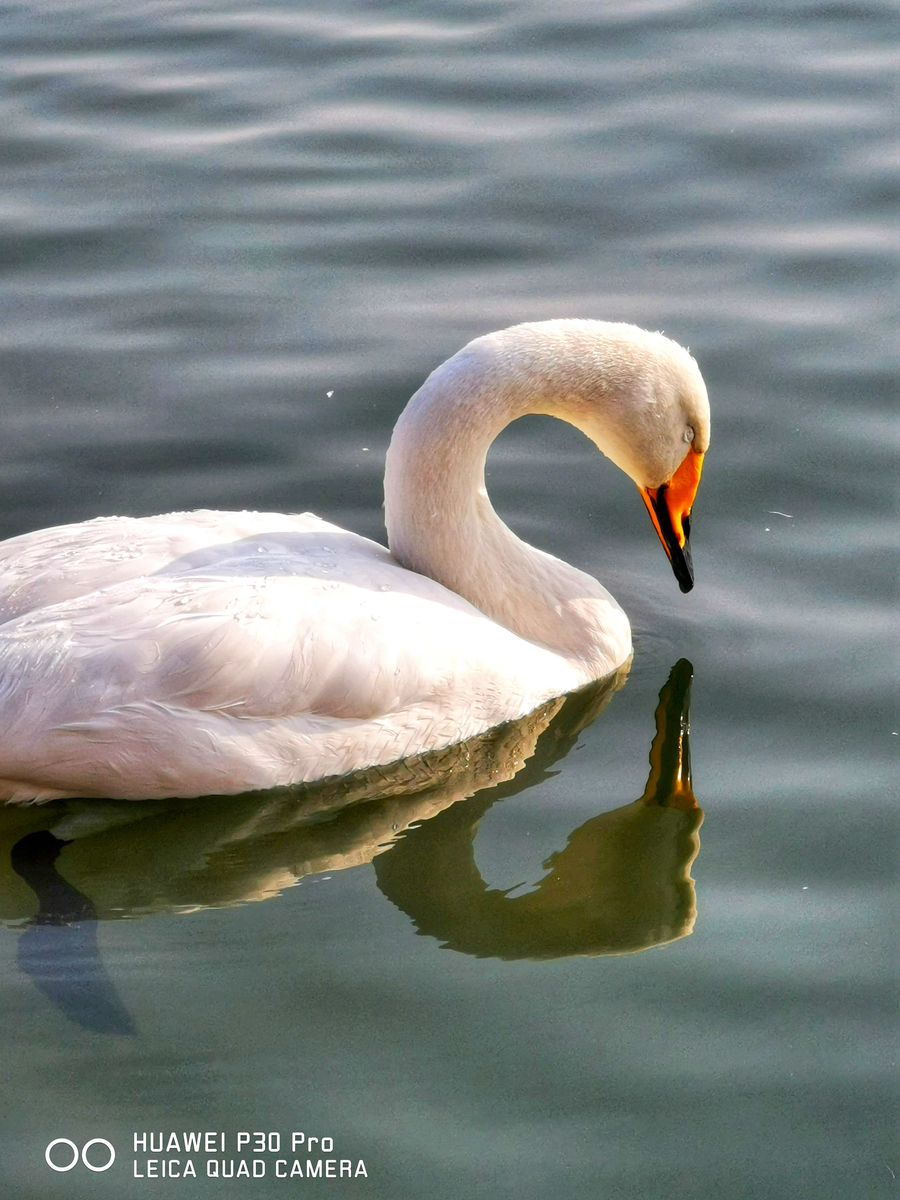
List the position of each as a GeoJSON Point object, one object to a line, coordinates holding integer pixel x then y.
{"type": "Point", "coordinates": [208, 652]}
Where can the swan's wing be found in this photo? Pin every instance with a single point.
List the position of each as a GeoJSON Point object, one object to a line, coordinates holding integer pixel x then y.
{"type": "Point", "coordinates": [66, 561]}
{"type": "Point", "coordinates": [174, 683]}
{"type": "Point", "coordinates": [269, 646]}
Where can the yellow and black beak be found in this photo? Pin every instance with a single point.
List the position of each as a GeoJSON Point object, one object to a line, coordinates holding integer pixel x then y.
{"type": "Point", "coordinates": [670, 507]}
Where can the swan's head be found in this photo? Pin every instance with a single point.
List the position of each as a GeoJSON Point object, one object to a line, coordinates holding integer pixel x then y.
{"type": "Point", "coordinates": [638, 396]}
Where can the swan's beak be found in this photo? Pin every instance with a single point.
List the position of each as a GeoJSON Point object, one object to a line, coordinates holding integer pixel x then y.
{"type": "Point", "coordinates": [670, 507]}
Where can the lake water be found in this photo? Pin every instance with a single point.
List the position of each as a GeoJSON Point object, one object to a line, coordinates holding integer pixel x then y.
{"type": "Point", "coordinates": [236, 238]}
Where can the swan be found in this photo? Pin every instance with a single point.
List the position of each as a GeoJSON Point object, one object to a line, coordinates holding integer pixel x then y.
{"type": "Point", "coordinates": [216, 652]}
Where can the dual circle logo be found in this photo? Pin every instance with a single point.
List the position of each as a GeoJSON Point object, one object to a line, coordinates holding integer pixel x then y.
{"type": "Point", "coordinates": [56, 1163]}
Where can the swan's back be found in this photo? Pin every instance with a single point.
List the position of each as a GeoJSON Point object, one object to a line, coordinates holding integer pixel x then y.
{"type": "Point", "coordinates": [50, 565]}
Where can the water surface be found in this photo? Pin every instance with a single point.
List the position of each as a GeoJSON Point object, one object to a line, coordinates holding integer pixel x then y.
{"type": "Point", "coordinates": [236, 238]}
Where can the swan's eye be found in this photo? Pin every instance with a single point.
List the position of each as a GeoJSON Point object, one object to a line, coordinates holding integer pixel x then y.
{"type": "Point", "coordinates": [688, 435]}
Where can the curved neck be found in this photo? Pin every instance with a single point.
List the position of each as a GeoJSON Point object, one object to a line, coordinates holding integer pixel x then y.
{"type": "Point", "coordinates": [440, 522]}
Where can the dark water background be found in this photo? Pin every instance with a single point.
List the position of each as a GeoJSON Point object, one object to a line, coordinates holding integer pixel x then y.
{"type": "Point", "coordinates": [214, 215]}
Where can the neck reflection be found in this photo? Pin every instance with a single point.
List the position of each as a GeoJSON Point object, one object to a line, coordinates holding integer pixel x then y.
{"type": "Point", "coordinates": [622, 883]}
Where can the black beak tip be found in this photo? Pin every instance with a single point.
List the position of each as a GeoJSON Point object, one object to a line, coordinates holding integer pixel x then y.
{"type": "Point", "coordinates": [683, 567]}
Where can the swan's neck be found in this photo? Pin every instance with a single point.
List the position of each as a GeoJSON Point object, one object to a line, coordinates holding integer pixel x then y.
{"type": "Point", "coordinates": [440, 521]}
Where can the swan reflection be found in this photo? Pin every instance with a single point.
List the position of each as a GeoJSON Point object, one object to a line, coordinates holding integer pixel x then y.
{"type": "Point", "coordinates": [621, 883]}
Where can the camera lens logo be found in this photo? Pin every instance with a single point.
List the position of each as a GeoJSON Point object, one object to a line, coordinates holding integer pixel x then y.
{"type": "Point", "coordinates": [76, 1154]}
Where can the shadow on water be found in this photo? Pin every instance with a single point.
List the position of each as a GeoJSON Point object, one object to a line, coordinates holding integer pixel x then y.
{"type": "Point", "coordinates": [622, 883]}
{"type": "Point", "coordinates": [58, 948]}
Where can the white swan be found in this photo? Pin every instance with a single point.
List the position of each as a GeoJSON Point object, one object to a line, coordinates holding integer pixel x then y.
{"type": "Point", "coordinates": [207, 652]}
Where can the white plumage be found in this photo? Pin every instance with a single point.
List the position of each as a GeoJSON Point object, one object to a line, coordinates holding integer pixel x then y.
{"type": "Point", "coordinates": [210, 652]}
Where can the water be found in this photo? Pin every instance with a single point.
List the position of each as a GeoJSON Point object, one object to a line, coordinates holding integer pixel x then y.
{"type": "Point", "coordinates": [236, 238]}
